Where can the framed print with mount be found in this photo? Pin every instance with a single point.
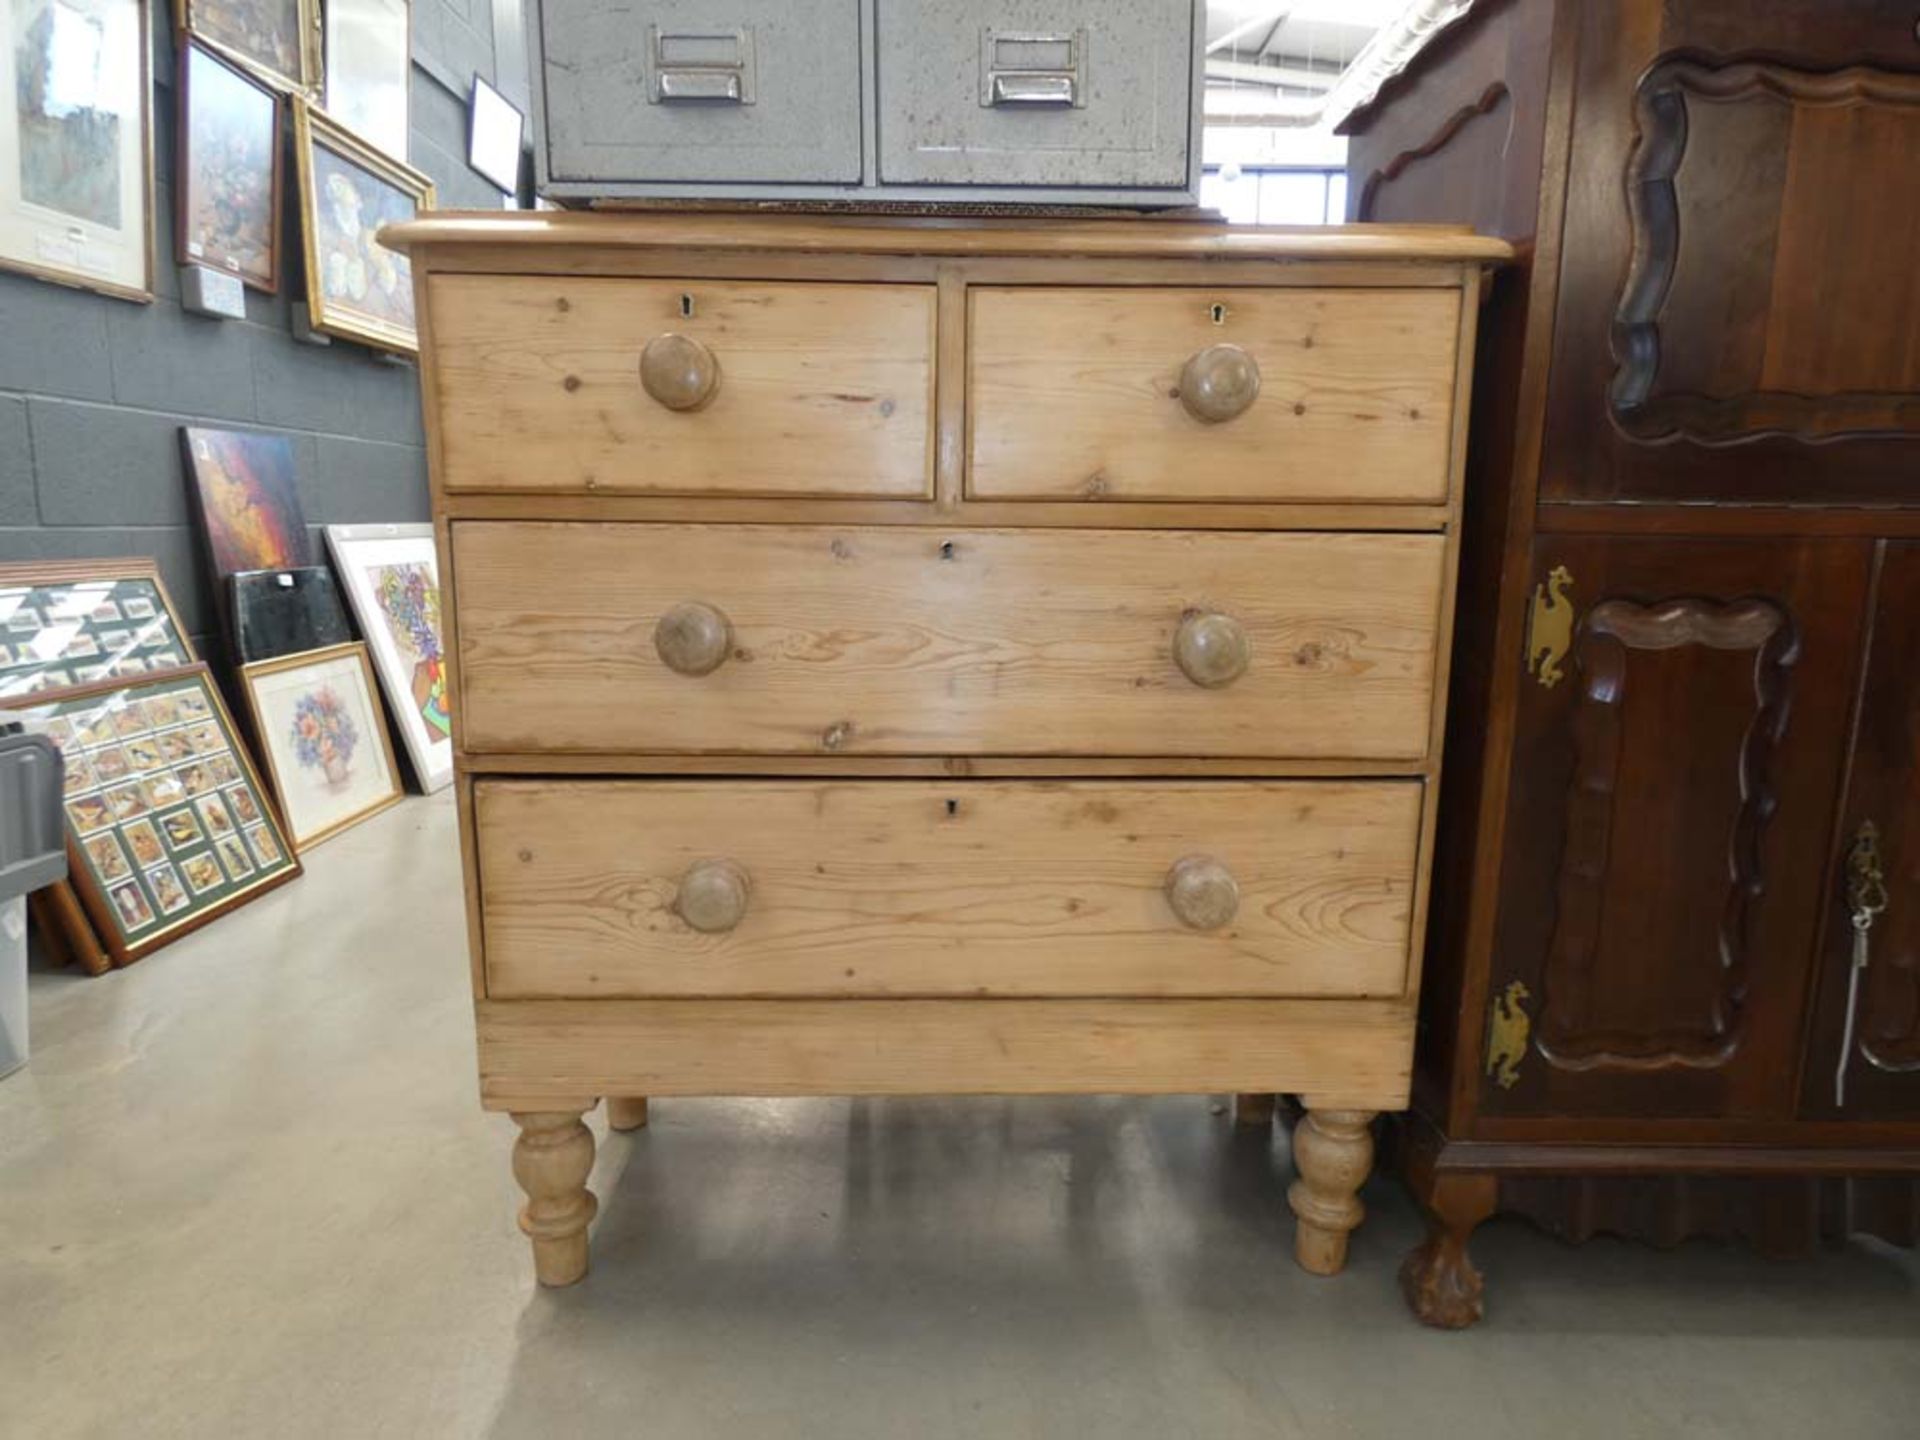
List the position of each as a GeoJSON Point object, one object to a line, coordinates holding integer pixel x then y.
{"type": "Point", "coordinates": [356, 288]}
{"type": "Point", "coordinates": [275, 39]}
{"type": "Point", "coordinates": [318, 720]}
{"type": "Point", "coordinates": [66, 624]}
{"type": "Point", "coordinates": [76, 144]}
{"type": "Point", "coordinates": [368, 68]}
{"type": "Point", "coordinates": [168, 825]}
{"type": "Point", "coordinates": [392, 578]}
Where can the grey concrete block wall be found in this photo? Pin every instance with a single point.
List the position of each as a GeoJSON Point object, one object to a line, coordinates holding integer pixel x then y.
{"type": "Point", "coordinates": [93, 391]}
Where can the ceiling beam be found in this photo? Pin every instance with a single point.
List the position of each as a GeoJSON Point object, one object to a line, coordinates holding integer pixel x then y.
{"type": "Point", "coordinates": [1296, 76]}
{"type": "Point", "coordinates": [1265, 15]}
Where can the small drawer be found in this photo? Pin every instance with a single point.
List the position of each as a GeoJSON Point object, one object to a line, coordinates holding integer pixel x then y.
{"type": "Point", "coordinates": [1300, 394]}
{"type": "Point", "coordinates": [1054, 93]}
{"type": "Point", "coordinates": [682, 387]}
{"type": "Point", "coordinates": [635, 888]}
{"type": "Point", "coordinates": [893, 640]}
{"type": "Point", "coordinates": [764, 91]}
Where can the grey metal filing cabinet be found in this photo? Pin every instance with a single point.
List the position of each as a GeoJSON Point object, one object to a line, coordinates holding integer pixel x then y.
{"type": "Point", "coordinates": [1056, 102]}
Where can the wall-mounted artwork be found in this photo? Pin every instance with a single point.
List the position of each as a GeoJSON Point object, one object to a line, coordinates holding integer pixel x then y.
{"type": "Point", "coordinates": [392, 579]}
{"type": "Point", "coordinates": [324, 738]}
{"type": "Point", "coordinates": [356, 287]}
{"type": "Point", "coordinates": [76, 171]}
{"type": "Point", "coordinates": [273, 38]}
{"type": "Point", "coordinates": [230, 185]}
{"type": "Point", "coordinates": [495, 132]}
{"type": "Point", "coordinates": [247, 498]}
{"type": "Point", "coordinates": [368, 66]}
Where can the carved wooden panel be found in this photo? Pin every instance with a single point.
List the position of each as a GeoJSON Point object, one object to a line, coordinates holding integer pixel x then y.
{"type": "Point", "coordinates": [1667, 822]}
{"type": "Point", "coordinates": [1883, 1063]}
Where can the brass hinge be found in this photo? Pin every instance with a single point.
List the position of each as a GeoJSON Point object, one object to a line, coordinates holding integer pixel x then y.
{"type": "Point", "coordinates": [1507, 1031]}
{"type": "Point", "coordinates": [1550, 626]}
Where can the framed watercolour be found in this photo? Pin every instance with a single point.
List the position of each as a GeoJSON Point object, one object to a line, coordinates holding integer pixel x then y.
{"type": "Point", "coordinates": [324, 739]}
{"type": "Point", "coordinates": [356, 287]}
{"type": "Point", "coordinates": [246, 498]}
{"type": "Point", "coordinates": [168, 825]}
{"type": "Point", "coordinates": [65, 624]}
{"type": "Point", "coordinates": [368, 65]}
{"type": "Point", "coordinates": [273, 38]}
{"type": "Point", "coordinates": [392, 580]}
{"type": "Point", "coordinates": [76, 144]}
{"type": "Point", "coordinates": [229, 189]}
{"type": "Point", "coordinates": [495, 130]}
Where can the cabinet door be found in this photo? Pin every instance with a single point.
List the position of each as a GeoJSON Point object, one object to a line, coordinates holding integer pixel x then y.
{"type": "Point", "coordinates": [1739, 303]}
{"type": "Point", "coordinates": [1676, 764]}
{"type": "Point", "coordinates": [1882, 1075]}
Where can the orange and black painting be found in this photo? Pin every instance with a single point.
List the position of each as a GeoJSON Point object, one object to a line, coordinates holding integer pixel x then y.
{"type": "Point", "coordinates": [248, 500]}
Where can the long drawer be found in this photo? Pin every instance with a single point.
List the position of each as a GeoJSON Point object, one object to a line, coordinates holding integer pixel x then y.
{"type": "Point", "coordinates": [1149, 393]}
{"type": "Point", "coordinates": [634, 888]}
{"type": "Point", "coordinates": [582, 385]}
{"type": "Point", "coordinates": [813, 640]}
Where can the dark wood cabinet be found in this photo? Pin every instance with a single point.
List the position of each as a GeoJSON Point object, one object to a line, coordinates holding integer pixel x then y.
{"type": "Point", "coordinates": [1686, 682]}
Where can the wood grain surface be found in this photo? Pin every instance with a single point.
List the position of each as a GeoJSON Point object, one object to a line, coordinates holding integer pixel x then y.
{"type": "Point", "coordinates": [822, 389]}
{"type": "Point", "coordinates": [877, 888]}
{"type": "Point", "coordinates": [1074, 393]}
{"type": "Point", "coordinates": [895, 641]}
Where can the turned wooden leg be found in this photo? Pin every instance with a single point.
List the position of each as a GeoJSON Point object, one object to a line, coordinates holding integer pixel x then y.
{"type": "Point", "coordinates": [1333, 1151]}
{"type": "Point", "coordinates": [551, 1160]}
{"type": "Point", "coordinates": [1438, 1278]}
{"type": "Point", "coordinates": [1253, 1110]}
{"type": "Point", "coordinates": [626, 1112]}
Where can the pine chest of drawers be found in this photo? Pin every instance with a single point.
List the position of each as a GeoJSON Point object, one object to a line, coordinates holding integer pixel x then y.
{"type": "Point", "coordinates": [922, 657]}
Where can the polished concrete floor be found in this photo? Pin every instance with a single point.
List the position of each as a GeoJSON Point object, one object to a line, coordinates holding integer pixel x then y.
{"type": "Point", "coordinates": [246, 1190]}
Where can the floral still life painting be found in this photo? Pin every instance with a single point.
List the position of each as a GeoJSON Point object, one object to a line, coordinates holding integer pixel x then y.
{"type": "Point", "coordinates": [248, 502]}
{"type": "Point", "coordinates": [409, 598]}
{"type": "Point", "coordinates": [229, 170]}
{"type": "Point", "coordinates": [325, 739]}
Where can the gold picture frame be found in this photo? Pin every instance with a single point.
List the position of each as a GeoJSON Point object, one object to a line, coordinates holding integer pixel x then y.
{"type": "Point", "coordinates": [311, 815]}
{"type": "Point", "coordinates": [202, 20]}
{"type": "Point", "coordinates": [59, 242]}
{"type": "Point", "coordinates": [356, 288]}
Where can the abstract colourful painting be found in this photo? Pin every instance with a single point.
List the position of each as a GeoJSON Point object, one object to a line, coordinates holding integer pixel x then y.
{"type": "Point", "coordinates": [248, 501]}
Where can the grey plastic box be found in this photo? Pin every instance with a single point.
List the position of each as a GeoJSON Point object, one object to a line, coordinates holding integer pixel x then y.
{"type": "Point", "coordinates": [1052, 102]}
{"type": "Point", "coordinates": [33, 854]}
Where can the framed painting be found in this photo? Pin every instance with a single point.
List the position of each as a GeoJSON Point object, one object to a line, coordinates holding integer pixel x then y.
{"type": "Point", "coordinates": [168, 824]}
{"type": "Point", "coordinates": [275, 39]}
{"type": "Point", "coordinates": [76, 144]}
{"type": "Point", "coordinates": [368, 67]}
{"type": "Point", "coordinates": [229, 191]}
{"type": "Point", "coordinates": [247, 499]}
{"type": "Point", "coordinates": [392, 578]}
{"type": "Point", "coordinates": [66, 624]}
{"type": "Point", "coordinates": [324, 739]}
{"type": "Point", "coordinates": [495, 132]}
{"type": "Point", "coordinates": [356, 287]}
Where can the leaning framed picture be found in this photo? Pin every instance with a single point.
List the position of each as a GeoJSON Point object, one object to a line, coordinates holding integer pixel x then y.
{"type": "Point", "coordinates": [368, 67]}
{"type": "Point", "coordinates": [324, 739]}
{"type": "Point", "coordinates": [168, 825]}
{"type": "Point", "coordinates": [356, 287]}
{"type": "Point", "coordinates": [229, 189]}
{"type": "Point", "coordinates": [392, 579]}
{"type": "Point", "coordinates": [67, 624]}
{"type": "Point", "coordinates": [273, 38]}
{"type": "Point", "coordinates": [247, 499]}
{"type": "Point", "coordinates": [76, 144]}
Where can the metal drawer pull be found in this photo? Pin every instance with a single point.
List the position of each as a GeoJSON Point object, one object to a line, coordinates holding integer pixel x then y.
{"type": "Point", "coordinates": [679, 372]}
{"type": "Point", "coordinates": [693, 639]}
{"type": "Point", "coordinates": [1028, 69]}
{"type": "Point", "coordinates": [700, 65]}
{"type": "Point", "coordinates": [713, 896]}
{"type": "Point", "coordinates": [1866, 898]}
{"type": "Point", "coordinates": [1211, 649]}
{"type": "Point", "coordinates": [1203, 893]}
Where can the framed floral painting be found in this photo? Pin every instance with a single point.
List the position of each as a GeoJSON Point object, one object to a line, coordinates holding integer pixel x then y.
{"type": "Point", "coordinates": [324, 737]}
{"type": "Point", "coordinates": [356, 287]}
{"type": "Point", "coordinates": [392, 579]}
{"type": "Point", "coordinates": [228, 208]}
{"type": "Point", "coordinates": [76, 144]}
{"type": "Point", "coordinates": [275, 39]}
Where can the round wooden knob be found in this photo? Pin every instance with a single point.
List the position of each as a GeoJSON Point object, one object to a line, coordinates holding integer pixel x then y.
{"type": "Point", "coordinates": [1218, 383]}
{"type": "Point", "coordinates": [713, 896]}
{"type": "Point", "coordinates": [1211, 648]}
{"type": "Point", "coordinates": [679, 372]}
{"type": "Point", "coordinates": [693, 639]}
{"type": "Point", "coordinates": [1203, 893]}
